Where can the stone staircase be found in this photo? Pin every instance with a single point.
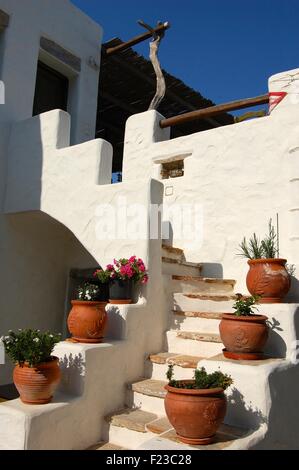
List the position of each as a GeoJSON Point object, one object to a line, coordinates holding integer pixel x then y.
{"type": "Point", "coordinates": [197, 304]}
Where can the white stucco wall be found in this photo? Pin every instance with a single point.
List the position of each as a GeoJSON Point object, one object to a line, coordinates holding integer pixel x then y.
{"type": "Point", "coordinates": [33, 247]}
{"type": "Point", "coordinates": [241, 175]}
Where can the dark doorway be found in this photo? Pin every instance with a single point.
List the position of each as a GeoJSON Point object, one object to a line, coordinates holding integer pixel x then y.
{"type": "Point", "coordinates": [51, 90]}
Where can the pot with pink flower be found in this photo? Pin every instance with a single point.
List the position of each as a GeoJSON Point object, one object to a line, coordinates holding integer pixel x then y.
{"type": "Point", "coordinates": [123, 275]}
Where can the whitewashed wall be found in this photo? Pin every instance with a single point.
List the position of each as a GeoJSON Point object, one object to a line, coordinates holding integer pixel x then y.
{"type": "Point", "coordinates": [241, 175]}
{"type": "Point", "coordinates": [36, 252]}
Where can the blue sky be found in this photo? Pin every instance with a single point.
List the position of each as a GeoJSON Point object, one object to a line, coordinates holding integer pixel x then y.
{"type": "Point", "coordinates": [226, 49]}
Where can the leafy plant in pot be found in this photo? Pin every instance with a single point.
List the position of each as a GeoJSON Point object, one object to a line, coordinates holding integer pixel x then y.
{"type": "Point", "coordinates": [36, 373]}
{"type": "Point", "coordinates": [123, 274]}
{"type": "Point", "coordinates": [197, 407]}
{"type": "Point", "coordinates": [268, 276]}
{"type": "Point", "coordinates": [244, 333]}
{"type": "Point", "coordinates": [88, 318]}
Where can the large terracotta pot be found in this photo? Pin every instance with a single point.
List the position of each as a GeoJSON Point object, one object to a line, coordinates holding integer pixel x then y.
{"type": "Point", "coordinates": [243, 334]}
{"type": "Point", "coordinates": [268, 278]}
{"type": "Point", "coordinates": [36, 385]}
{"type": "Point", "coordinates": [87, 321]}
{"type": "Point", "coordinates": [195, 414]}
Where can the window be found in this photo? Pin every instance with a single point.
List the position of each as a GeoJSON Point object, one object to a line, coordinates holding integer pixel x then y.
{"type": "Point", "coordinates": [172, 169]}
{"type": "Point", "coordinates": [51, 90]}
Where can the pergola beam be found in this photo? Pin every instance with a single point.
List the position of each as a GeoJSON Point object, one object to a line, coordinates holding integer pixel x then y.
{"type": "Point", "coordinates": [152, 82]}
{"type": "Point", "coordinates": [136, 40]}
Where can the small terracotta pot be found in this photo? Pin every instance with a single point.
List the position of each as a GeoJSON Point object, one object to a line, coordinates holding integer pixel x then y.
{"type": "Point", "coordinates": [243, 334]}
{"type": "Point", "coordinates": [87, 321]}
{"type": "Point", "coordinates": [36, 385]}
{"type": "Point", "coordinates": [268, 278]}
{"type": "Point", "coordinates": [195, 414]}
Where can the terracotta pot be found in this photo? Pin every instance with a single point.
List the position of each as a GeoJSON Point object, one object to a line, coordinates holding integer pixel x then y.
{"type": "Point", "coordinates": [195, 414]}
{"type": "Point", "coordinates": [243, 334]}
{"type": "Point", "coordinates": [121, 291]}
{"type": "Point", "coordinates": [268, 278]}
{"type": "Point", "coordinates": [36, 385]}
{"type": "Point", "coordinates": [87, 321]}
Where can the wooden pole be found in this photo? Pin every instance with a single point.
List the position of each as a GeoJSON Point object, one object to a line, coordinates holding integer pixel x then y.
{"type": "Point", "coordinates": [136, 40]}
{"type": "Point", "coordinates": [214, 110]}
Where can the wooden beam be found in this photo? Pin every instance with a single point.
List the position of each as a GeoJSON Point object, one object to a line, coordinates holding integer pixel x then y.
{"type": "Point", "coordinates": [117, 102]}
{"type": "Point", "coordinates": [136, 40]}
{"type": "Point", "coordinates": [214, 110]}
{"type": "Point", "coordinates": [151, 81]}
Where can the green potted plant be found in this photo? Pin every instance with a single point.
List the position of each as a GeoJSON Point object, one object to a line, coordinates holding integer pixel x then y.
{"type": "Point", "coordinates": [244, 333]}
{"type": "Point", "coordinates": [197, 407]}
{"type": "Point", "coordinates": [268, 276]}
{"type": "Point", "coordinates": [123, 274]}
{"type": "Point", "coordinates": [87, 318]}
{"type": "Point", "coordinates": [36, 373]}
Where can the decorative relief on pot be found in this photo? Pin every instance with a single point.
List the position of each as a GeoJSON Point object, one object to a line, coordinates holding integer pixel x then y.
{"type": "Point", "coordinates": [95, 330]}
{"type": "Point", "coordinates": [212, 413]}
{"type": "Point", "coordinates": [240, 337]}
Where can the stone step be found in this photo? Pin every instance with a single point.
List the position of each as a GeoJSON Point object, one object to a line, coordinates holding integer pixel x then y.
{"type": "Point", "coordinates": [134, 429]}
{"type": "Point", "coordinates": [191, 302]}
{"type": "Point", "coordinates": [172, 266]}
{"type": "Point", "coordinates": [147, 394]}
{"type": "Point", "coordinates": [172, 252]}
{"type": "Point", "coordinates": [199, 336]}
{"type": "Point", "coordinates": [130, 427]}
{"type": "Point", "coordinates": [184, 365]}
{"type": "Point", "coordinates": [133, 419]}
{"type": "Point", "coordinates": [202, 285]}
{"type": "Point", "coordinates": [227, 438]}
{"type": "Point", "coordinates": [206, 322]}
{"type": "Point", "coordinates": [193, 343]}
{"type": "Point", "coordinates": [106, 446]}
{"type": "Point", "coordinates": [187, 362]}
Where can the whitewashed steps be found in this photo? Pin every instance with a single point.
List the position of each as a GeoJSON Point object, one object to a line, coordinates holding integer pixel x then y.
{"type": "Point", "coordinates": [146, 394]}
{"type": "Point", "coordinates": [206, 322]}
{"type": "Point", "coordinates": [202, 285]}
{"type": "Point", "coordinates": [172, 266]}
{"type": "Point", "coordinates": [193, 343]}
{"type": "Point", "coordinates": [127, 427]}
{"type": "Point", "coordinates": [172, 253]}
{"type": "Point", "coordinates": [227, 438]}
{"type": "Point", "coordinates": [203, 302]}
{"type": "Point", "coordinates": [106, 446]}
{"type": "Point", "coordinates": [133, 429]}
{"type": "Point", "coordinates": [184, 365]}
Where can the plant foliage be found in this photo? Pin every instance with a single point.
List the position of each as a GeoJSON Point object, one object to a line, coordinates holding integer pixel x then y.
{"type": "Point", "coordinates": [202, 380]}
{"type": "Point", "coordinates": [30, 346]}
{"type": "Point", "coordinates": [89, 292]}
{"type": "Point", "coordinates": [124, 269]}
{"type": "Point", "coordinates": [255, 248]}
{"type": "Point", "coordinates": [244, 306]}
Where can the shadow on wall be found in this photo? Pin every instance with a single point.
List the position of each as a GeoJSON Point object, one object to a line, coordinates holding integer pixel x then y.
{"type": "Point", "coordinates": [240, 412]}
{"type": "Point", "coordinates": [276, 346]}
{"type": "Point", "coordinates": [116, 326]}
{"type": "Point", "coordinates": [212, 270]}
{"type": "Point", "coordinates": [72, 374]}
{"type": "Point", "coordinates": [284, 412]}
{"type": "Point", "coordinates": [293, 294]}
{"type": "Point", "coordinates": [37, 254]}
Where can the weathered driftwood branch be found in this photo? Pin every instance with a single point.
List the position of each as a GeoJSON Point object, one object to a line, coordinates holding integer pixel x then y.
{"type": "Point", "coordinates": [154, 48]}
